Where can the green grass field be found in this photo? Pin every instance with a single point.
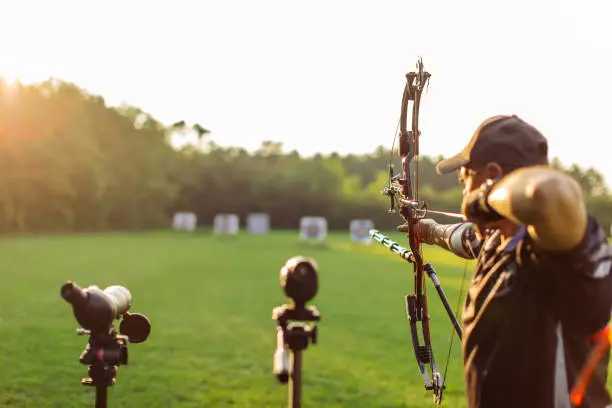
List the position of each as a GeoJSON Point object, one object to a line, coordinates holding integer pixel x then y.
{"type": "Point", "coordinates": [210, 300]}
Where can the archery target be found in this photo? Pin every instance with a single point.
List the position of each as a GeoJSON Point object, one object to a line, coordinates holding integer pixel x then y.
{"type": "Point", "coordinates": [360, 230]}
{"type": "Point", "coordinates": [313, 228]}
{"type": "Point", "coordinates": [258, 223]}
{"type": "Point", "coordinates": [184, 221]}
{"type": "Point", "coordinates": [226, 224]}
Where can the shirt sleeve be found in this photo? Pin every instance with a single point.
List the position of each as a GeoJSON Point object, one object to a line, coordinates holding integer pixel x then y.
{"type": "Point", "coordinates": [578, 283]}
{"type": "Point", "coordinates": [591, 259]}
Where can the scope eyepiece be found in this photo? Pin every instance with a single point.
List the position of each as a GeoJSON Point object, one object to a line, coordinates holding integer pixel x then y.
{"type": "Point", "coordinates": [73, 294]}
{"type": "Point", "coordinates": [299, 279]}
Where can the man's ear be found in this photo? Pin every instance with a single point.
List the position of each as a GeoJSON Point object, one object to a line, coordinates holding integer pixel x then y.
{"type": "Point", "coordinates": [493, 171]}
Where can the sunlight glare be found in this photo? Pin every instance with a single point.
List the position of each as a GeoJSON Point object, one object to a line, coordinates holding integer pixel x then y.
{"type": "Point", "coordinates": [12, 73]}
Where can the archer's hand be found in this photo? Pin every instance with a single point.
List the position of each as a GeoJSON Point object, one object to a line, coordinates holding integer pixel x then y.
{"type": "Point", "coordinates": [475, 206]}
{"type": "Point", "coordinates": [423, 228]}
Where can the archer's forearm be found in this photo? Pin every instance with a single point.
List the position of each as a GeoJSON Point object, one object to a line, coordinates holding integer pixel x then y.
{"type": "Point", "coordinates": [459, 239]}
{"type": "Point", "coordinates": [549, 202]}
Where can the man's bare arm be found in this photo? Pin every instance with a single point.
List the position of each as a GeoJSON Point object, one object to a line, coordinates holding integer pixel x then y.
{"type": "Point", "coordinates": [549, 202]}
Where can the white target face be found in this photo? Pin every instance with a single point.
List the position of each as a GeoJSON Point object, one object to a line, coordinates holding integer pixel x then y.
{"type": "Point", "coordinates": [184, 221]}
{"type": "Point", "coordinates": [258, 223]}
{"type": "Point", "coordinates": [226, 224]}
{"type": "Point", "coordinates": [360, 230]}
{"type": "Point", "coordinates": [313, 228]}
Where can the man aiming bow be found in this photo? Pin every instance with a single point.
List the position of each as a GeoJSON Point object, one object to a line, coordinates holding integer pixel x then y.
{"type": "Point", "coordinates": [542, 284]}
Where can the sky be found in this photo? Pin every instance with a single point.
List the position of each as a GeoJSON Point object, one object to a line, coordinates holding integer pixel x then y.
{"type": "Point", "coordinates": [323, 76]}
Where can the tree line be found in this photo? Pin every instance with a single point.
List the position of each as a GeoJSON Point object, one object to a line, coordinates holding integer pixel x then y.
{"type": "Point", "coordinates": [69, 162]}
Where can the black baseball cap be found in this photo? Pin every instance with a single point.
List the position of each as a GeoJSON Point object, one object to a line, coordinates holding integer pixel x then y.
{"type": "Point", "coordinates": [505, 139]}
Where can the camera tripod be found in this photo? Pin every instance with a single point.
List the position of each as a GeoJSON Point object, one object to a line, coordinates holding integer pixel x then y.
{"type": "Point", "coordinates": [103, 353]}
{"type": "Point", "coordinates": [296, 328]}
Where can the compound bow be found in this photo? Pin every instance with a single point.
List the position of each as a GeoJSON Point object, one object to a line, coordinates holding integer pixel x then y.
{"type": "Point", "coordinates": [403, 193]}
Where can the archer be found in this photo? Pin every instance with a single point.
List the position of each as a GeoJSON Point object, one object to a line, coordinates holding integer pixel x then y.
{"type": "Point", "coordinates": [542, 284]}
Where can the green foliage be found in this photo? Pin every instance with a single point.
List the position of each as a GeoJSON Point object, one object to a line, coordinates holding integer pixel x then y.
{"type": "Point", "coordinates": [70, 163]}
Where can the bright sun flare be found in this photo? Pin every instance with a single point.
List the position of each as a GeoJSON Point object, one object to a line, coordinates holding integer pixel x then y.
{"type": "Point", "coordinates": [24, 74]}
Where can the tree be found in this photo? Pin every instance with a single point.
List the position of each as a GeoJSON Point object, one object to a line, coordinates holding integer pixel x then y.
{"type": "Point", "coordinates": [69, 162]}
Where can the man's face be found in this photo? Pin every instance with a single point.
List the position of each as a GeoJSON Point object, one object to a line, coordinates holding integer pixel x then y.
{"type": "Point", "coordinates": [471, 179]}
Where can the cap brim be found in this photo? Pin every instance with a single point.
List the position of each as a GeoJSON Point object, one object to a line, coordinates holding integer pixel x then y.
{"type": "Point", "coordinates": [452, 163]}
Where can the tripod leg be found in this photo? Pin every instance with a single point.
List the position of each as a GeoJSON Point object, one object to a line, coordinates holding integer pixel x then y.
{"type": "Point", "coordinates": [295, 381]}
{"type": "Point", "coordinates": [101, 394]}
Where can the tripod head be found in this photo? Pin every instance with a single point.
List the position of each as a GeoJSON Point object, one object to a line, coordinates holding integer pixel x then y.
{"type": "Point", "coordinates": [96, 311]}
{"type": "Point", "coordinates": [299, 279]}
{"type": "Point", "coordinates": [296, 323]}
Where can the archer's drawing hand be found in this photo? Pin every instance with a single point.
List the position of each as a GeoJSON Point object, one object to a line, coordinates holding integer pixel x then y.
{"type": "Point", "coordinates": [423, 228]}
{"type": "Point", "coordinates": [475, 206]}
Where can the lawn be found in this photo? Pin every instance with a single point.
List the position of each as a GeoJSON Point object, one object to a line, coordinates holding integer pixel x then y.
{"type": "Point", "coordinates": [210, 300]}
